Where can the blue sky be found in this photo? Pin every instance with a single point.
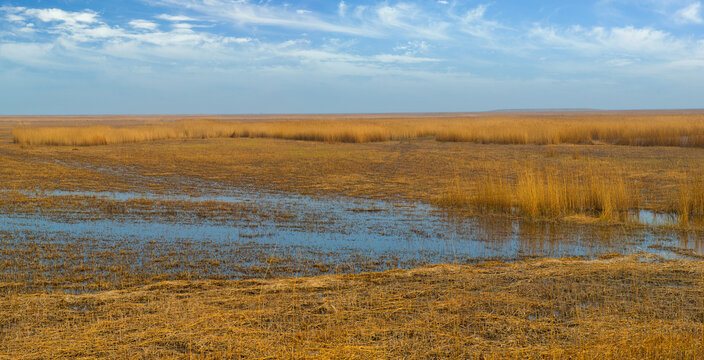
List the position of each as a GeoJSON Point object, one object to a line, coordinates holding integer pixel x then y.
{"type": "Point", "coordinates": [240, 56]}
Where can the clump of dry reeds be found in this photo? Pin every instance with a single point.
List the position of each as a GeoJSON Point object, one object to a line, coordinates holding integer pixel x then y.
{"type": "Point", "coordinates": [691, 200]}
{"type": "Point", "coordinates": [540, 193]}
{"type": "Point", "coordinates": [551, 195]}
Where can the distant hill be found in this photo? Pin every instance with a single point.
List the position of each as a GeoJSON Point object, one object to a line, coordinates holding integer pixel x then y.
{"type": "Point", "coordinates": [545, 110]}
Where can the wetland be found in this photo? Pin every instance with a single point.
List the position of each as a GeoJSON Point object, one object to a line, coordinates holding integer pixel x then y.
{"type": "Point", "coordinates": [372, 239]}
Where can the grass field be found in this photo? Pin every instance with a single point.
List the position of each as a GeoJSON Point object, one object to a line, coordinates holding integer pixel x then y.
{"type": "Point", "coordinates": [96, 297]}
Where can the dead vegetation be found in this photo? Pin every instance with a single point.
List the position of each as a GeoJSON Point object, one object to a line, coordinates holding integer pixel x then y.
{"type": "Point", "coordinates": [620, 308]}
{"type": "Point", "coordinates": [685, 130]}
{"type": "Point", "coordinates": [549, 194]}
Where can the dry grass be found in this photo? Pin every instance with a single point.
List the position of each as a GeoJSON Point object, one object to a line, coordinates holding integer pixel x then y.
{"type": "Point", "coordinates": [415, 170]}
{"type": "Point", "coordinates": [545, 193]}
{"type": "Point", "coordinates": [620, 308]}
{"type": "Point", "coordinates": [633, 130]}
{"type": "Point", "coordinates": [311, 130]}
{"type": "Point", "coordinates": [686, 130]}
{"type": "Point", "coordinates": [691, 200]}
{"type": "Point", "coordinates": [103, 135]}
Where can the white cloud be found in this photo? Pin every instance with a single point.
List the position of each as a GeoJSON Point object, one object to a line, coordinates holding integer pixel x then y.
{"type": "Point", "coordinates": [412, 47]}
{"type": "Point", "coordinates": [382, 20]}
{"type": "Point", "coordinates": [409, 18]}
{"type": "Point", "coordinates": [68, 17]}
{"type": "Point", "coordinates": [244, 13]}
{"type": "Point", "coordinates": [238, 40]}
{"type": "Point", "coordinates": [620, 40]}
{"type": "Point", "coordinates": [342, 9]}
{"type": "Point", "coordinates": [476, 14]}
{"type": "Point", "coordinates": [13, 17]}
{"type": "Point", "coordinates": [474, 23]}
{"type": "Point", "coordinates": [407, 59]}
{"type": "Point", "coordinates": [174, 18]}
{"type": "Point", "coordinates": [83, 40]}
{"type": "Point", "coordinates": [690, 14]}
{"type": "Point", "coordinates": [143, 24]}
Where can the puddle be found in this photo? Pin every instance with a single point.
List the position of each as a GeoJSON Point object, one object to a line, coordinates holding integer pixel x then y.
{"type": "Point", "coordinates": [372, 228]}
{"type": "Point", "coordinates": [651, 218]}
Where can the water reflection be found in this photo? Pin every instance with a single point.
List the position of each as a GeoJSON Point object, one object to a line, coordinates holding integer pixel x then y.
{"type": "Point", "coordinates": [370, 228]}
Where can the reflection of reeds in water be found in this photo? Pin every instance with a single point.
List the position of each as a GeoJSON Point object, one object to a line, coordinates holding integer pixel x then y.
{"type": "Point", "coordinates": [545, 194]}
{"type": "Point", "coordinates": [634, 130]}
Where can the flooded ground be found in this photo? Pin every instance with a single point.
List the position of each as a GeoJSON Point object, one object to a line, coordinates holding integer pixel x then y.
{"type": "Point", "coordinates": [308, 236]}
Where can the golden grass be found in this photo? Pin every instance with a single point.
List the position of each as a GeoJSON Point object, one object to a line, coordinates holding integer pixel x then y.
{"type": "Point", "coordinates": [642, 130]}
{"type": "Point", "coordinates": [691, 200]}
{"type": "Point", "coordinates": [685, 130]}
{"type": "Point", "coordinates": [620, 308]}
{"type": "Point", "coordinates": [551, 194]}
{"type": "Point", "coordinates": [312, 130]}
{"type": "Point", "coordinates": [103, 135]}
{"type": "Point", "coordinates": [415, 170]}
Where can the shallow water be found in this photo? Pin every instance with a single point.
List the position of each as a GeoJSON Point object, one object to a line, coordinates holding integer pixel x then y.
{"type": "Point", "coordinates": [372, 228]}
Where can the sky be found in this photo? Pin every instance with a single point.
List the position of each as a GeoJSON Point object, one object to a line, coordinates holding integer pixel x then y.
{"type": "Point", "coordinates": [266, 57]}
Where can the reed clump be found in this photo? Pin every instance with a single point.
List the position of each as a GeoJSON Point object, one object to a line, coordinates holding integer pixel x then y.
{"type": "Point", "coordinates": [544, 194]}
{"type": "Point", "coordinates": [690, 203]}
{"type": "Point", "coordinates": [682, 130]}
{"type": "Point", "coordinates": [540, 193]}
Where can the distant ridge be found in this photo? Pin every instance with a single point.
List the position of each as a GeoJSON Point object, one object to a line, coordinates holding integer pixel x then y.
{"type": "Point", "coordinates": [545, 110]}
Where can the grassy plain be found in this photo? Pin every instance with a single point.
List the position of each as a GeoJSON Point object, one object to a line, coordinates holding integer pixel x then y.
{"type": "Point", "coordinates": [548, 167]}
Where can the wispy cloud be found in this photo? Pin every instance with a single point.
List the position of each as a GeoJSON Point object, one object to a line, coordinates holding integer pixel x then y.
{"type": "Point", "coordinates": [690, 14]}
{"type": "Point", "coordinates": [67, 17]}
{"type": "Point", "coordinates": [79, 37]}
{"type": "Point", "coordinates": [474, 23]}
{"type": "Point", "coordinates": [143, 24]}
{"type": "Point", "coordinates": [245, 13]}
{"type": "Point", "coordinates": [168, 17]}
{"type": "Point", "coordinates": [626, 40]}
{"type": "Point", "coordinates": [403, 19]}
